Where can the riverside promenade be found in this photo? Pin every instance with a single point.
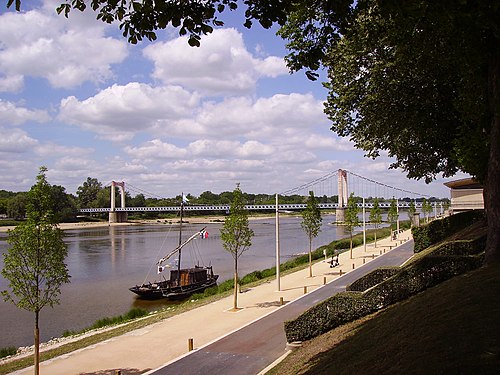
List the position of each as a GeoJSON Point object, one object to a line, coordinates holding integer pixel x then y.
{"type": "Point", "coordinates": [224, 340]}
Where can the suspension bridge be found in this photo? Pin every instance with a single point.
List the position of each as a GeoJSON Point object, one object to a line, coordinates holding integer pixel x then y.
{"type": "Point", "coordinates": [333, 183]}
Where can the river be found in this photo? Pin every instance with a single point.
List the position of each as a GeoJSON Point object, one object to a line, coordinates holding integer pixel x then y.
{"type": "Point", "coordinates": [104, 262]}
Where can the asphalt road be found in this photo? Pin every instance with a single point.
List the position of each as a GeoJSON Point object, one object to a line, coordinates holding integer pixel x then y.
{"type": "Point", "coordinates": [255, 346]}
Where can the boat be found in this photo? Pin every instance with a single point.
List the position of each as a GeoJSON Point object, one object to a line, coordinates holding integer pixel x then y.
{"type": "Point", "coordinates": [183, 282]}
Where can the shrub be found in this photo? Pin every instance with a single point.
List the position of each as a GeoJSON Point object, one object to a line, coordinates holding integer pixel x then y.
{"type": "Point", "coordinates": [395, 284]}
{"type": "Point", "coordinates": [5, 352]}
{"type": "Point", "coordinates": [438, 230]}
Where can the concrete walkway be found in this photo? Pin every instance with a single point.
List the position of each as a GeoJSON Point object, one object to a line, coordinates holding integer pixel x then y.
{"type": "Point", "coordinates": [151, 347]}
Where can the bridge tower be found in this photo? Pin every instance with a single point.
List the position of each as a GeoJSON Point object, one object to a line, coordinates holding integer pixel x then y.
{"type": "Point", "coordinates": [343, 196]}
{"type": "Point", "coordinates": [120, 216]}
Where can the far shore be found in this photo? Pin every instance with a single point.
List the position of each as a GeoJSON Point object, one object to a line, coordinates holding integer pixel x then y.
{"type": "Point", "coordinates": [98, 224]}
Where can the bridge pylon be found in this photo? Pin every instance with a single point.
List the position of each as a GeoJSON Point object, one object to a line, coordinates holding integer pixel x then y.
{"type": "Point", "coordinates": [117, 216]}
{"type": "Point", "coordinates": [343, 196]}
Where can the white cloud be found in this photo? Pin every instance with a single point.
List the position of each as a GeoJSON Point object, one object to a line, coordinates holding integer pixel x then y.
{"type": "Point", "coordinates": [10, 114]}
{"type": "Point", "coordinates": [119, 112]}
{"type": "Point", "coordinates": [40, 43]}
{"type": "Point", "coordinates": [221, 65]}
{"type": "Point", "coordinates": [15, 141]}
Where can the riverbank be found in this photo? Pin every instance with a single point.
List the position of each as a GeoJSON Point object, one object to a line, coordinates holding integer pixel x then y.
{"type": "Point", "coordinates": [103, 224]}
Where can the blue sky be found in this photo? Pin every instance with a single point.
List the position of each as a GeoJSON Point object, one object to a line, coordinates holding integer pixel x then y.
{"type": "Point", "coordinates": [162, 116]}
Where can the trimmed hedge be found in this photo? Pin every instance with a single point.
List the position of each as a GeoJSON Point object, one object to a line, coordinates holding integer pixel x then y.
{"type": "Point", "coordinates": [438, 266]}
{"type": "Point", "coordinates": [371, 279]}
{"type": "Point", "coordinates": [340, 309]}
{"type": "Point", "coordinates": [438, 230]}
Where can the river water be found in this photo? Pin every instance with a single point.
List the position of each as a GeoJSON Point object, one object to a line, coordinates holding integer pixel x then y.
{"type": "Point", "coordinates": [105, 262]}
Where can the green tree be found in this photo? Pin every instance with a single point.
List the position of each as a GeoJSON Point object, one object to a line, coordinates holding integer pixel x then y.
{"type": "Point", "coordinates": [16, 206]}
{"type": "Point", "coordinates": [412, 210]}
{"type": "Point", "coordinates": [311, 224]}
{"type": "Point", "coordinates": [34, 263]}
{"type": "Point", "coordinates": [236, 235]}
{"type": "Point", "coordinates": [351, 219]}
{"type": "Point", "coordinates": [87, 193]}
{"type": "Point", "coordinates": [426, 209]}
{"type": "Point", "coordinates": [376, 217]}
{"type": "Point", "coordinates": [392, 215]}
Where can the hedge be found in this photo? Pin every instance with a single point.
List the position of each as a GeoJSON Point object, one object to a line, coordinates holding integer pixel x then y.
{"type": "Point", "coordinates": [371, 279]}
{"type": "Point", "coordinates": [438, 230]}
{"type": "Point", "coordinates": [438, 266]}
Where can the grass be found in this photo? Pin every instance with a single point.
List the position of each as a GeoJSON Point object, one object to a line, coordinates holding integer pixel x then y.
{"type": "Point", "coordinates": [452, 328]}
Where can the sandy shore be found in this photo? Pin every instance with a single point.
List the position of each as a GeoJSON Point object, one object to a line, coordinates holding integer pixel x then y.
{"type": "Point", "coordinates": [191, 220]}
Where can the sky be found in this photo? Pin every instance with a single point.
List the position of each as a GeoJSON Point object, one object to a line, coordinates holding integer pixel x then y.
{"type": "Point", "coordinates": [164, 117]}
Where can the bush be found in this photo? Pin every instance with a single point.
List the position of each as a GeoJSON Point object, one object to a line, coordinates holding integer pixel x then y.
{"type": "Point", "coordinates": [5, 352]}
{"type": "Point", "coordinates": [395, 284]}
{"type": "Point", "coordinates": [371, 279]}
{"type": "Point", "coordinates": [438, 230]}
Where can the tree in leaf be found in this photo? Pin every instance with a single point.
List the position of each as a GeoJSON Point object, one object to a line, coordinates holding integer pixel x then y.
{"type": "Point", "coordinates": [392, 215]}
{"type": "Point", "coordinates": [88, 192]}
{"type": "Point", "coordinates": [351, 219]}
{"type": "Point", "coordinates": [426, 209]}
{"type": "Point", "coordinates": [311, 224]}
{"type": "Point", "coordinates": [34, 263]}
{"type": "Point", "coordinates": [376, 217]}
{"type": "Point", "coordinates": [412, 210]}
{"type": "Point", "coordinates": [236, 235]}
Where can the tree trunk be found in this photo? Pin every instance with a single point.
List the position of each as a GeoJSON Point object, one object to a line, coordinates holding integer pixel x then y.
{"type": "Point", "coordinates": [310, 258]}
{"type": "Point", "coordinates": [37, 345]}
{"type": "Point", "coordinates": [492, 183]}
{"type": "Point", "coordinates": [350, 247]}
{"type": "Point", "coordinates": [376, 235]}
{"type": "Point", "coordinates": [235, 302]}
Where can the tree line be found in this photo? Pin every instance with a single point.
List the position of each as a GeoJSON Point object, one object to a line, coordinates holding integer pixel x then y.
{"type": "Point", "coordinates": [92, 194]}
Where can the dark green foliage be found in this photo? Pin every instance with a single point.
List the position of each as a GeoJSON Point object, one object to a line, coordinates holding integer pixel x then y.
{"type": "Point", "coordinates": [438, 230]}
{"type": "Point", "coordinates": [5, 352]}
{"type": "Point", "coordinates": [373, 278]}
{"type": "Point", "coordinates": [388, 286]}
{"type": "Point", "coordinates": [337, 310]}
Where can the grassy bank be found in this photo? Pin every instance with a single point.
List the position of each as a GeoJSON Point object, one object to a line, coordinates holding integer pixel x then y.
{"type": "Point", "coordinates": [452, 328]}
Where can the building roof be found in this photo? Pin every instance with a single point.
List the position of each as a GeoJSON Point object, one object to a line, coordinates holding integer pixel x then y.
{"type": "Point", "coordinates": [464, 183]}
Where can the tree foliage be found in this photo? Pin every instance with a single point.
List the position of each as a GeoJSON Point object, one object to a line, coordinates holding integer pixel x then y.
{"type": "Point", "coordinates": [311, 223]}
{"type": "Point", "coordinates": [34, 263]}
{"type": "Point", "coordinates": [375, 217]}
{"type": "Point", "coordinates": [351, 219]}
{"type": "Point", "coordinates": [236, 235]}
{"type": "Point", "coordinates": [392, 215]}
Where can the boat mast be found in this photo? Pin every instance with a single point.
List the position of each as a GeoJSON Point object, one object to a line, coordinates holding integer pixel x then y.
{"type": "Point", "coordinates": [180, 242]}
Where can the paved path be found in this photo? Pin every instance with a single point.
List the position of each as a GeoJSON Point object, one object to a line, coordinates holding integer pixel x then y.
{"type": "Point", "coordinates": [153, 346]}
{"type": "Point", "coordinates": [254, 347]}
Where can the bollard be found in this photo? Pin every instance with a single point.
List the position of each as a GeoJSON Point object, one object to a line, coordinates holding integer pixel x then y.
{"type": "Point", "coordinates": [324, 280]}
{"type": "Point", "coordinates": [353, 266]}
{"type": "Point", "coordinates": [380, 252]}
{"type": "Point", "coordinates": [281, 301]}
{"type": "Point", "coordinates": [190, 344]}
{"type": "Point", "coordinates": [305, 289]}
{"type": "Point", "coordinates": [373, 256]}
{"type": "Point", "coordinates": [364, 260]}
{"type": "Point", "coordinates": [384, 251]}
{"type": "Point", "coordinates": [340, 272]}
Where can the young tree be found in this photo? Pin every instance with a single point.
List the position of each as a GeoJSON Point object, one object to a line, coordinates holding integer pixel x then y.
{"type": "Point", "coordinates": [236, 235]}
{"type": "Point", "coordinates": [392, 215]}
{"type": "Point", "coordinates": [34, 263]}
{"type": "Point", "coordinates": [412, 210]}
{"type": "Point", "coordinates": [87, 193]}
{"type": "Point", "coordinates": [351, 219]}
{"type": "Point", "coordinates": [426, 209]}
{"type": "Point", "coordinates": [311, 223]}
{"type": "Point", "coordinates": [376, 217]}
